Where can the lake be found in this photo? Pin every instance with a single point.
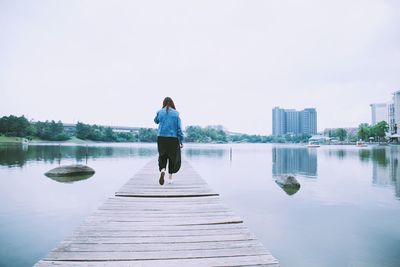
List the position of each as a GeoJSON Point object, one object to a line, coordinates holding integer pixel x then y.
{"type": "Point", "coordinates": [346, 213]}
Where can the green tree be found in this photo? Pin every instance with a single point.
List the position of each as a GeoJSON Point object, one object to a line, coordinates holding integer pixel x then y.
{"type": "Point", "coordinates": [341, 134]}
{"type": "Point", "coordinates": [195, 134]}
{"type": "Point", "coordinates": [379, 130]}
{"type": "Point", "coordinates": [364, 131]}
{"type": "Point", "coordinates": [52, 131]}
{"type": "Point", "coordinates": [15, 126]}
{"type": "Point", "coordinates": [125, 137]}
{"type": "Point", "coordinates": [83, 131]}
{"type": "Point", "coordinates": [109, 135]}
{"type": "Point", "coordinates": [147, 135]}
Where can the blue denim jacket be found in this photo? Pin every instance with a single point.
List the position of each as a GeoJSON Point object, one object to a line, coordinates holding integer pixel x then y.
{"type": "Point", "coordinates": [169, 123]}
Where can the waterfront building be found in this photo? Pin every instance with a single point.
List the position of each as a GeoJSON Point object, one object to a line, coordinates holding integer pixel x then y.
{"type": "Point", "coordinates": [396, 107]}
{"type": "Point", "coordinates": [391, 119]}
{"type": "Point", "coordinates": [290, 121]}
{"type": "Point", "coordinates": [278, 121]}
{"type": "Point", "coordinates": [389, 112]}
{"type": "Point", "coordinates": [308, 121]}
{"type": "Point", "coordinates": [393, 109]}
{"type": "Point", "coordinates": [379, 112]}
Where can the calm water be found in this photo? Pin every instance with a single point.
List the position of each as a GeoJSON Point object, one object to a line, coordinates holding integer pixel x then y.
{"type": "Point", "coordinates": [347, 212]}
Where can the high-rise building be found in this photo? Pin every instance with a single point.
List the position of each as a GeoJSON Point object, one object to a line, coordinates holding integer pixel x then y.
{"type": "Point", "coordinates": [392, 120]}
{"type": "Point", "coordinates": [308, 121]}
{"type": "Point", "coordinates": [290, 121]}
{"type": "Point", "coordinates": [396, 106]}
{"type": "Point", "coordinates": [379, 112]}
{"type": "Point", "coordinates": [278, 121]}
{"type": "Point", "coordinates": [389, 112]}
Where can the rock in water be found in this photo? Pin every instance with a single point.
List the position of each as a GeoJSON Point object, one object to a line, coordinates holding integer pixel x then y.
{"type": "Point", "coordinates": [289, 184]}
{"type": "Point", "coordinates": [288, 181]}
{"type": "Point", "coordinates": [70, 170]}
{"type": "Point", "coordinates": [71, 178]}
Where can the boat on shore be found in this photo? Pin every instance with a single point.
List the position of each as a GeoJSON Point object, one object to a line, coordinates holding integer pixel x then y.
{"type": "Point", "coordinates": [361, 144]}
{"type": "Point", "coordinates": [313, 144]}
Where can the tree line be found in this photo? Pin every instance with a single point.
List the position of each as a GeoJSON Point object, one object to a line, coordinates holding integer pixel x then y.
{"type": "Point", "coordinates": [55, 131]}
{"type": "Point", "coordinates": [365, 132]}
{"type": "Point", "coordinates": [375, 132]}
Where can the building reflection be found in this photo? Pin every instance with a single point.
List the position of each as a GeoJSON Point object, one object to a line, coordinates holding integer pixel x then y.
{"type": "Point", "coordinates": [300, 161]}
{"type": "Point", "coordinates": [386, 169]}
{"type": "Point", "coordinates": [205, 152]}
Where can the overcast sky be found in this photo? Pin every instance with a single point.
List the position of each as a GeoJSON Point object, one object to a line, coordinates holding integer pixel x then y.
{"type": "Point", "coordinates": [223, 62]}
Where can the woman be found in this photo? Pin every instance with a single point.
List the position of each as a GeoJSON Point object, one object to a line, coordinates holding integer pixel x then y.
{"type": "Point", "coordinates": [169, 140]}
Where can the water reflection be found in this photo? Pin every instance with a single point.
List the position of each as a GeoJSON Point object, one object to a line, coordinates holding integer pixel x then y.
{"type": "Point", "coordinates": [70, 179]}
{"type": "Point", "coordinates": [384, 160]}
{"type": "Point", "coordinates": [294, 160]}
{"type": "Point", "coordinates": [205, 152]}
{"type": "Point", "coordinates": [289, 190]}
{"type": "Point", "coordinates": [18, 156]}
{"type": "Point", "coordinates": [385, 168]}
{"type": "Point", "coordinates": [377, 155]}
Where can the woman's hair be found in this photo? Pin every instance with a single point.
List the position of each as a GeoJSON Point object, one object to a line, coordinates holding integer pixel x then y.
{"type": "Point", "coordinates": [168, 103]}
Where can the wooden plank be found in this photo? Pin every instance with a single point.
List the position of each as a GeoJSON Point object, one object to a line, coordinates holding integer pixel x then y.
{"type": "Point", "coordinates": [155, 255]}
{"type": "Point", "coordinates": [262, 260]}
{"type": "Point", "coordinates": [100, 247]}
{"type": "Point", "coordinates": [158, 228]}
{"type": "Point", "coordinates": [161, 227]}
{"type": "Point", "coordinates": [119, 200]}
{"type": "Point", "coordinates": [145, 224]}
{"type": "Point", "coordinates": [176, 233]}
{"type": "Point", "coordinates": [159, 239]}
{"type": "Point", "coordinates": [174, 222]}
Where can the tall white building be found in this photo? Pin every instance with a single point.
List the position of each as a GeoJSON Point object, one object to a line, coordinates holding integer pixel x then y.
{"type": "Point", "coordinates": [396, 106]}
{"type": "Point", "coordinates": [393, 114]}
{"type": "Point", "coordinates": [380, 112]}
{"type": "Point", "coordinates": [392, 121]}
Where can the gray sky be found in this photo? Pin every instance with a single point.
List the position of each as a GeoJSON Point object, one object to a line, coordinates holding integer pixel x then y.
{"type": "Point", "coordinates": [223, 62]}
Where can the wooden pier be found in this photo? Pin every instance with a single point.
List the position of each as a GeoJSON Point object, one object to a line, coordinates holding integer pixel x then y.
{"type": "Point", "coordinates": [145, 224]}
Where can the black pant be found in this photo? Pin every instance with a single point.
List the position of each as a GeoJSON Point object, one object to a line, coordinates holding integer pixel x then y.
{"type": "Point", "coordinates": [169, 150]}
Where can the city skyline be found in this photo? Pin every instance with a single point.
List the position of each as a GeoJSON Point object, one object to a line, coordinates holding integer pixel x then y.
{"type": "Point", "coordinates": [64, 61]}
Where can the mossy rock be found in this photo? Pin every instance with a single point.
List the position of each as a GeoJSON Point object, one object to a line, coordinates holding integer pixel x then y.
{"type": "Point", "coordinates": [289, 184]}
{"type": "Point", "coordinates": [71, 179]}
{"type": "Point", "coordinates": [70, 170]}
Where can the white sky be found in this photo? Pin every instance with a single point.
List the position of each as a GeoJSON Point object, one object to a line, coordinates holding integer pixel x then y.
{"type": "Point", "coordinates": [223, 62]}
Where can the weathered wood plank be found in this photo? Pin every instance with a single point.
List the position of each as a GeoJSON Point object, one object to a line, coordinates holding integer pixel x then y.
{"type": "Point", "coordinates": [159, 239]}
{"type": "Point", "coordinates": [262, 260]}
{"type": "Point", "coordinates": [155, 255]}
{"type": "Point", "coordinates": [95, 232]}
{"type": "Point", "coordinates": [100, 247]}
{"type": "Point", "coordinates": [161, 227]}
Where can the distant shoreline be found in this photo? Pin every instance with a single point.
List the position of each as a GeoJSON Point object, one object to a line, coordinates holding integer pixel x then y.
{"type": "Point", "coordinates": [77, 141]}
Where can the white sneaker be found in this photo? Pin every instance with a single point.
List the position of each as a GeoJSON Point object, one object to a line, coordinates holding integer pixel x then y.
{"type": "Point", "coordinates": [170, 180]}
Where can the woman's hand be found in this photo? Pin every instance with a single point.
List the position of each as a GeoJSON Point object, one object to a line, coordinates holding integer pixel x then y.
{"type": "Point", "coordinates": [181, 145]}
